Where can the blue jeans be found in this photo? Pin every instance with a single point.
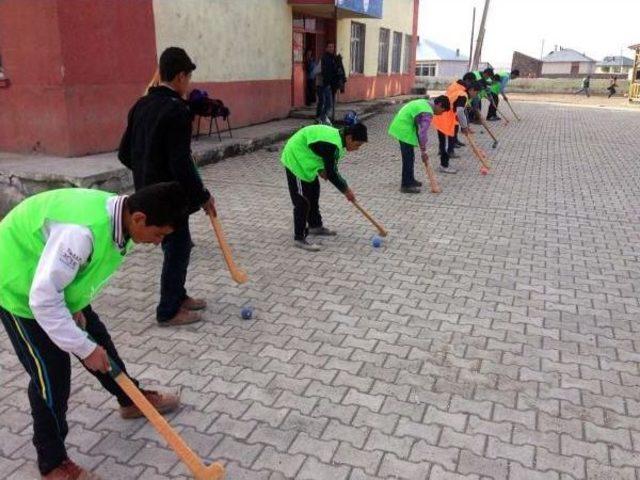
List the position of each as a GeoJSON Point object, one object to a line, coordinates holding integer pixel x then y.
{"type": "Point", "coordinates": [408, 159]}
{"type": "Point", "coordinates": [325, 100]}
{"type": "Point", "coordinates": [177, 252]}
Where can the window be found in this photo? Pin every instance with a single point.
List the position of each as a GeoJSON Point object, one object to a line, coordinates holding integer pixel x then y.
{"type": "Point", "coordinates": [396, 57]}
{"type": "Point", "coordinates": [383, 51]}
{"type": "Point", "coordinates": [357, 47]}
{"type": "Point", "coordinates": [424, 69]}
{"type": "Point", "coordinates": [408, 54]}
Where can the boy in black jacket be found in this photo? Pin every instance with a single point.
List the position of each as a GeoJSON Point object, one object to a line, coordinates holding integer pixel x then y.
{"type": "Point", "coordinates": [156, 146]}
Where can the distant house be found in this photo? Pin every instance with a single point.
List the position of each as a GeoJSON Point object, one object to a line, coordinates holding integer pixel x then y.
{"type": "Point", "coordinates": [435, 60]}
{"type": "Point", "coordinates": [615, 65]}
{"type": "Point", "coordinates": [569, 62]}
{"type": "Point", "coordinates": [634, 84]}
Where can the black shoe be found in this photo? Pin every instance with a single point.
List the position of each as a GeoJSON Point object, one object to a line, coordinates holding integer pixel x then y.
{"type": "Point", "coordinates": [460, 144]}
{"type": "Point", "coordinates": [494, 119]}
{"type": "Point", "coordinates": [322, 231]}
{"type": "Point", "coordinates": [416, 183]}
{"type": "Point", "coordinates": [411, 189]}
{"type": "Point", "coordinates": [304, 244]}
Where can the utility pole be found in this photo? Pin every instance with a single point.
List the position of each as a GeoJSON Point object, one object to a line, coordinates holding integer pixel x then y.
{"type": "Point", "coordinates": [478, 54]}
{"type": "Point", "coordinates": [473, 31]}
{"type": "Point", "coordinates": [542, 50]}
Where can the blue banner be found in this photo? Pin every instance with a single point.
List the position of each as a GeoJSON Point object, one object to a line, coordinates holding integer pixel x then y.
{"type": "Point", "coordinates": [372, 8]}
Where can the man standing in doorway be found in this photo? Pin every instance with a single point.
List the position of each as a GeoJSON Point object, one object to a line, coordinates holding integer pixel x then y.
{"type": "Point", "coordinates": [156, 146]}
{"type": "Point", "coordinates": [325, 80]}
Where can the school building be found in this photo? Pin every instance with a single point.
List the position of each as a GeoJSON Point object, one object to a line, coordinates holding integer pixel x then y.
{"type": "Point", "coordinates": [70, 69]}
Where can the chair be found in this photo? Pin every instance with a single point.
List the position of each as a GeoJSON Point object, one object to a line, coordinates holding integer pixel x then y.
{"type": "Point", "coordinates": [203, 106]}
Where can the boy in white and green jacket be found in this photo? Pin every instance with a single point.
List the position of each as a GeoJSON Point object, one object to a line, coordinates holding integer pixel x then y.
{"type": "Point", "coordinates": [57, 250]}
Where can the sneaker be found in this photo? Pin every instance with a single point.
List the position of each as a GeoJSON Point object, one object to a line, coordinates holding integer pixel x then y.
{"type": "Point", "coordinates": [68, 470]}
{"type": "Point", "coordinates": [448, 170]}
{"type": "Point", "coordinates": [162, 402]}
{"type": "Point", "coordinates": [411, 189]}
{"type": "Point", "coordinates": [190, 303]}
{"type": "Point", "coordinates": [327, 121]}
{"type": "Point", "coordinates": [183, 317]}
{"type": "Point", "coordinates": [460, 144]}
{"type": "Point", "coordinates": [305, 244]}
{"type": "Point", "coordinates": [494, 119]}
{"type": "Point", "coordinates": [416, 183]}
{"type": "Point", "coordinates": [322, 231]}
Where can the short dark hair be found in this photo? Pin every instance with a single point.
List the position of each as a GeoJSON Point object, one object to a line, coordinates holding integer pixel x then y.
{"type": "Point", "coordinates": [443, 101]}
{"type": "Point", "coordinates": [497, 77]}
{"type": "Point", "coordinates": [488, 71]}
{"type": "Point", "coordinates": [173, 61]}
{"type": "Point", "coordinates": [164, 204]}
{"type": "Point", "coordinates": [515, 72]}
{"type": "Point", "coordinates": [475, 85]}
{"type": "Point", "coordinates": [357, 131]}
{"type": "Point", "coordinates": [469, 77]}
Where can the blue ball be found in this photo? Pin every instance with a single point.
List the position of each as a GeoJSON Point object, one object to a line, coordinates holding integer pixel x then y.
{"type": "Point", "coordinates": [376, 241]}
{"type": "Point", "coordinates": [246, 313]}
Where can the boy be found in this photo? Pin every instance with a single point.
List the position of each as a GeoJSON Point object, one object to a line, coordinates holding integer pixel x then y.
{"type": "Point", "coordinates": [315, 151]}
{"type": "Point", "coordinates": [498, 87]}
{"type": "Point", "coordinates": [485, 78]}
{"type": "Point", "coordinates": [586, 83]}
{"type": "Point", "coordinates": [156, 146]}
{"type": "Point", "coordinates": [57, 251]}
{"type": "Point", "coordinates": [410, 127]}
{"type": "Point", "coordinates": [448, 123]}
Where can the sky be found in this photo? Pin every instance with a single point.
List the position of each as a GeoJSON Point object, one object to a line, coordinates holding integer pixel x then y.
{"type": "Point", "coordinates": [597, 28]}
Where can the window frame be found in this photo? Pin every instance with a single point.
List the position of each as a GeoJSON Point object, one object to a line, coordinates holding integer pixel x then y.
{"type": "Point", "coordinates": [383, 51]}
{"type": "Point", "coordinates": [408, 54]}
{"type": "Point", "coordinates": [357, 48]}
{"type": "Point", "coordinates": [396, 52]}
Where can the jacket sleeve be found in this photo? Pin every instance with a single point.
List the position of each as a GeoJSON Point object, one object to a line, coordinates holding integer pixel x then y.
{"type": "Point", "coordinates": [328, 153]}
{"type": "Point", "coordinates": [124, 151]}
{"type": "Point", "coordinates": [181, 164]}
{"type": "Point", "coordinates": [459, 106]}
{"type": "Point", "coordinates": [423, 122]}
{"type": "Point", "coordinates": [67, 249]}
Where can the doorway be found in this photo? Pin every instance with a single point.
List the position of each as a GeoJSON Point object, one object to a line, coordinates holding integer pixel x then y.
{"type": "Point", "coordinates": [309, 40]}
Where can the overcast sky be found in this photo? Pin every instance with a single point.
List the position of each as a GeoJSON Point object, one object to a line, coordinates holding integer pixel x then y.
{"type": "Point", "coordinates": [594, 27]}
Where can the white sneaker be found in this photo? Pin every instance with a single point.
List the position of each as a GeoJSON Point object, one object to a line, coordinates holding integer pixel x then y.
{"type": "Point", "coordinates": [327, 121]}
{"type": "Point", "coordinates": [306, 245]}
{"type": "Point", "coordinates": [448, 170]}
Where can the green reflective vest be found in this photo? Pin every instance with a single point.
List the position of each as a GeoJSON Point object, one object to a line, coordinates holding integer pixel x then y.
{"type": "Point", "coordinates": [403, 126]}
{"type": "Point", "coordinates": [496, 87]}
{"type": "Point", "coordinates": [478, 75]}
{"type": "Point", "coordinates": [22, 242]}
{"type": "Point", "coordinates": [300, 160]}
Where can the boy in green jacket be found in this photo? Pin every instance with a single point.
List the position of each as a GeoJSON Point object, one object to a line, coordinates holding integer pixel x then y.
{"type": "Point", "coordinates": [315, 151]}
{"type": "Point", "coordinates": [57, 250]}
{"type": "Point", "coordinates": [410, 127]}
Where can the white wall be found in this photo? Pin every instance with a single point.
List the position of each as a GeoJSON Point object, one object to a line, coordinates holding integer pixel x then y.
{"type": "Point", "coordinates": [549, 68]}
{"type": "Point", "coordinates": [236, 40]}
{"type": "Point", "coordinates": [448, 68]}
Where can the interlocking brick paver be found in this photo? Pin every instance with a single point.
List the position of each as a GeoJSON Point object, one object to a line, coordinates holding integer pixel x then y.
{"type": "Point", "coordinates": [498, 320]}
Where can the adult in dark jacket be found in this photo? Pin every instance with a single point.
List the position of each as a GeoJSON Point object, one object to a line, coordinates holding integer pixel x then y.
{"type": "Point", "coordinates": [156, 146]}
{"type": "Point", "coordinates": [329, 78]}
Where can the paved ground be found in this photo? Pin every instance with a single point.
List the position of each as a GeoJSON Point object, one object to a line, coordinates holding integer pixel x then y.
{"type": "Point", "coordinates": [495, 334]}
{"type": "Point", "coordinates": [595, 100]}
